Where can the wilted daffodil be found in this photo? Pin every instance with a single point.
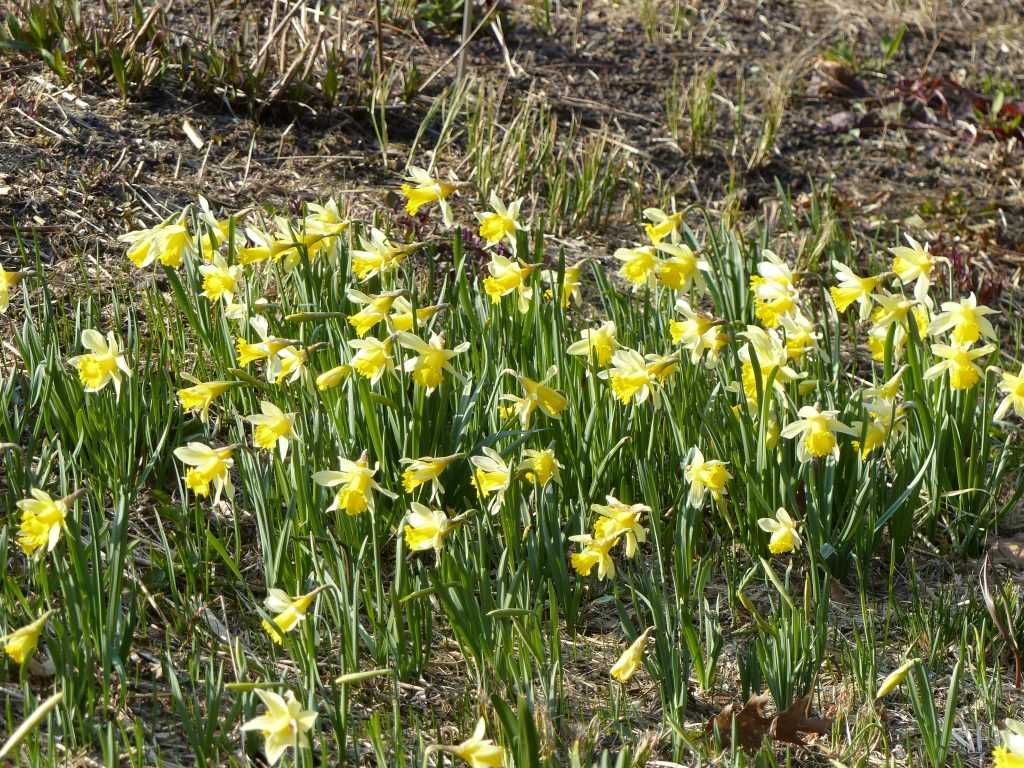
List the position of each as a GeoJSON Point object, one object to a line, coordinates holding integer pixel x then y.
{"type": "Point", "coordinates": [500, 222]}
{"type": "Point", "coordinates": [964, 373]}
{"type": "Point", "coordinates": [220, 280]}
{"type": "Point", "coordinates": [372, 358]}
{"type": "Point", "coordinates": [7, 281]}
{"type": "Point", "coordinates": [1013, 386]}
{"type": "Point", "coordinates": [426, 469]}
{"type": "Point", "coordinates": [852, 288]}
{"type": "Point", "coordinates": [681, 269]}
{"type": "Point", "coordinates": [273, 428]}
{"type": "Point", "coordinates": [509, 276]}
{"type": "Point", "coordinates": [378, 255]}
{"type": "Point", "coordinates": [631, 659]}
{"type": "Point", "coordinates": [660, 225]}
{"type": "Point", "coordinates": [288, 612]}
{"type": "Point", "coordinates": [597, 344]}
{"type": "Point", "coordinates": [705, 475]}
{"type": "Point", "coordinates": [401, 314]}
{"type": "Point", "coordinates": [914, 264]}
{"type": "Point", "coordinates": [966, 321]}
{"type": "Point", "coordinates": [199, 397]}
{"type": "Point", "coordinates": [21, 643]}
{"type": "Point", "coordinates": [422, 189]}
{"type": "Point", "coordinates": [284, 725]}
{"type": "Point", "coordinates": [426, 528]}
{"type": "Point", "coordinates": [357, 486]}
{"type": "Point", "coordinates": [537, 395]}
{"type": "Point", "coordinates": [894, 678]}
{"type": "Point", "coordinates": [431, 361]}
{"type": "Point", "coordinates": [639, 265]}
{"type": "Point", "coordinates": [784, 536]}
{"type": "Point", "coordinates": [1010, 754]}
{"type": "Point", "coordinates": [616, 520]}
{"type": "Point", "coordinates": [207, 465]}
{"type": "Point", "coordinates": [103, 364]}
{"type": "Point", "coordinates": [331, 378]}
{"type": "Point", "coordinates": [166, 243]}
{"type": "Point", "coordinates": [593, 552]}
{"type": "Point", "coordinates": [42, 520]}
{"type": "Point", "coordinates": [375, 310]}
{"type": "Point", "coordinates": [476, 751]}
{"type": "Point", "coordinates": [816, 431]}
{"type": "Point", "coordinates": [491, 475]}
{"type": "Point", "coordinates": [540, 467]}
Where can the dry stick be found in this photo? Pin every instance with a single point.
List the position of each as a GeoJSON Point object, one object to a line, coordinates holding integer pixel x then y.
{"type": "Point", "coordinates": [450, 59]}
{"type": "Point", "coordinates": [258, 59]}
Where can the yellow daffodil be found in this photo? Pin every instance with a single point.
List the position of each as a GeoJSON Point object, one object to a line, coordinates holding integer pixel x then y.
{"type": "Point", "coordinates": [774, 290]}
{"type": "Point", "coordinates": [290, 364]}
{"type": "Point", "coordinates": [698, 333]}
{"type": "Point", "coordinates": [784, 536]}
{"type": "Point", "coordinates": [771, 356]}
{"type": "Point", "coordinates": [597, 344]}
{"type": "Point", "coordinates": [284, 725]}
{"type": "Point", "coordinates": [422, 189]}
{"type": "Point", "coordinates": [593, 552]}
{"type": "Point", "coordinates": [816, 431]}
{"type": "Point", "coordinates": [629, 662]}
{"type": "Point", "coordinates": [1013, 386]}
{"type": "Point", "coordinates": [42, 520]}
{"type": "Point", "coordinates": [378, 255]}
{"type": "Point", "coordinates": [914, 264]}
{"type": "Point", "coordinates": [681, 269]}
{"type": "Point", "coordinates": [540, 467]}
{"type": "Point", "coordinates": [426, 528]}
{"type": "Point", "coordinates": [1010, 754]}
{"type": "Point", "coordinates": [288, 612]}
{"type": "Point", "coordinates": [509, 276]}
{"type": "Point", "coordinates": [401, 314]}
{"type": "Point", "coordinates": [631, 379]}
{"type": "Point", "coordinates": [220, 280]}
{"type": "Point", "coordinates": [895, 678]}
{"type": "Point", "coordinates": [571, 282]}
{"type": "Point", "coordinates": [491, 476]}
{"type": "Point", "coordinates": [617, 520]}
{"type": "Point", "coordinates": [431, 361]}
{"type": "Point", "coordinates": [207, 465]}
{"type": "Point", "coordinates": [375, 310]}
{"type": "Point", "coordinates": [21, 643]}
{"type": "Point", "coordinates": [500, 222]}
{"type": "Point", "coordinates": [267, 246]}
{"type": "Point", "coordinates": [199, 397]}
{"type": "Point", "coordinates": [273, 428]}
{"type": "Point", "coordinates": [852, 288]}
{"type": "Point", "coordinates": [357, 486]}
{"type": "Point", "coordinates": [166, 243]}
{"type": "Point", "coordinates": [325, 221]}
{"type": "Point", "coordinates": [660, 225]}
{"type": "Point", "coordinates": [704, 476]}
{"type": "Point", "coordinates": [890, 390]}
{"type": "Point", "coordinates": [372, 358]}
{"type": "Point", "coordinates": [426, 469]}
{"type": "Point", "coordinates": [537, 395]}
{"type": "Point", "coordinates": [103, 364]}
{"type": "Point", "coordinates": [8, 280]}
{"type": "Point", "coordinates": [801, 334]}
{"type": "Point", "coordinates": [965, 319]}
{"type": "Point", "coordinates": [879, 426]}
{"type": "Point", "coordinates": [331, 378]}
{"type": "Point", "coordinates": [964, 373]}
{"type": "Point", "coordinates": [266, 349]}
{"type": "Point", "coordinates": [639, 265]}
{"type": "Point", "coordinates": [477, 751]}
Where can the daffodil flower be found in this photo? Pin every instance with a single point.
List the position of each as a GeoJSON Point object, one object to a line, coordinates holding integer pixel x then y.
{"type": "Point", "coordinates": [661, 225]}
{"type": "Point", "coordinates": [639, 265]}
{"type": "Point", "coordinates": [290, 364]}
{"type": "Point", "coordinates": [883, 415]}
{"type": "Point", "coordinates": [631, 378]}
{"type": "Point", "coordinates": [401, 317]}
{"type": "Point", "coordinates": [103, 364]}
{"type": "Point", "coordinates": [852, 288]}
{"type": "Point", "coordinates": [273, 428]}
{"type": "Point", "coordinates": [500, 222]}
{"type": "Point", "coordinates": [1013, 386]}
{"type": "Point", "coordinates": [375, 310]}
{"type": "Point", "coordinates": [593, 552]}
{"type": "Point", "coordinates": [425, 189]}
{"type": "Point", "coordinates": [571, 282]}
{"type": "Point", "coordinates": [681, 269]}
{"type": "Point", "coordinates": [890, 390]}
{"type": "Point", "coordinates": [426, 528]}
{"type": "Point", "coordinates": [771, 356]}
{"type": "Point", "coordinates": [331, 378]}
{"type": "Point", "coordinates": [704, 476]}
{"type": "Point", "coordinates": [537, 395]}
{"type": "Point", "coordinates": [166, 243]}
{"type": "Point", "coordinates": [801, 334]}
{"type": "Point", "coordinates": [42, 520]}
{"type": "Point", "coordinates": [774, 290]}
{"type": "Point", "coordinates": [431, 361]}
{"type": "Point", "coordinates": [1010, 754]}
{"type": "Point", "coordinates": [266, 246]}
{"type": "Point", "coordinates": [199, 397]}
{"type": "Point", "coordinates": [378, 255]}
{"type": "Point", "coordinates": [426, 469]}
{"type": "Point", "coordinates": [784, 536]}
{"type": "Point", "coordinates": [509, 276]}
{"type": "Point", "coordinates": [617, 520]}
{"type": "Point", "coordinates": [325, 221]}
{"type": "Point", "coordinates": [491, 476]}
{"type": "Point", "coordinates": [356, 486]}
{"type": "Point", "coordinates": [629, 662]}
{"type": "Point", "coordinates": [8, 280]}
{"type": "Point", "coordinates": [288, 612]}
{"type": "Point", "coordinates": [540, 467]}
{"type": "Point", "coordinates": [372, 358]}
{"type": "Point", "coordinates": [21, 643]}
{"type": "Point", "coordinates": [284, 724]}
{"type": "Point", "coordinates": [964, 373]}
{"type": "Point", "coordinates": [816, 431]}
{"type": "Point", "coordinates": [220, 281]}
{"type": "Point", "coordinates": [914, 264]}
{"type": "Point", "coordinates": [477, 751]}
{"type": "Point", "coordinates": [895, 678]}
{"type": "Point", "coordinates": [966, 319]}
{"type": "Point", "coordinates": [598, 344]}
{"type": "Point", "coordinates": [207, 465]}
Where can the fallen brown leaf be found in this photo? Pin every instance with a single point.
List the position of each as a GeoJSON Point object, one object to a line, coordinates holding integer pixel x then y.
{"type": "Point", "coordinates": [788, 725]}
{"type": "Point", "coordinates": [752, 726]}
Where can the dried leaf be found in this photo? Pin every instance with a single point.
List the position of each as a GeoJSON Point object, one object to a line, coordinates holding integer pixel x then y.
{"type": "Point", "coordinates": [751, 724]}
{"type": "Point", "coordinates": [787, 726]}
{"type": "Point", "coordinates": [1008, 551]}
